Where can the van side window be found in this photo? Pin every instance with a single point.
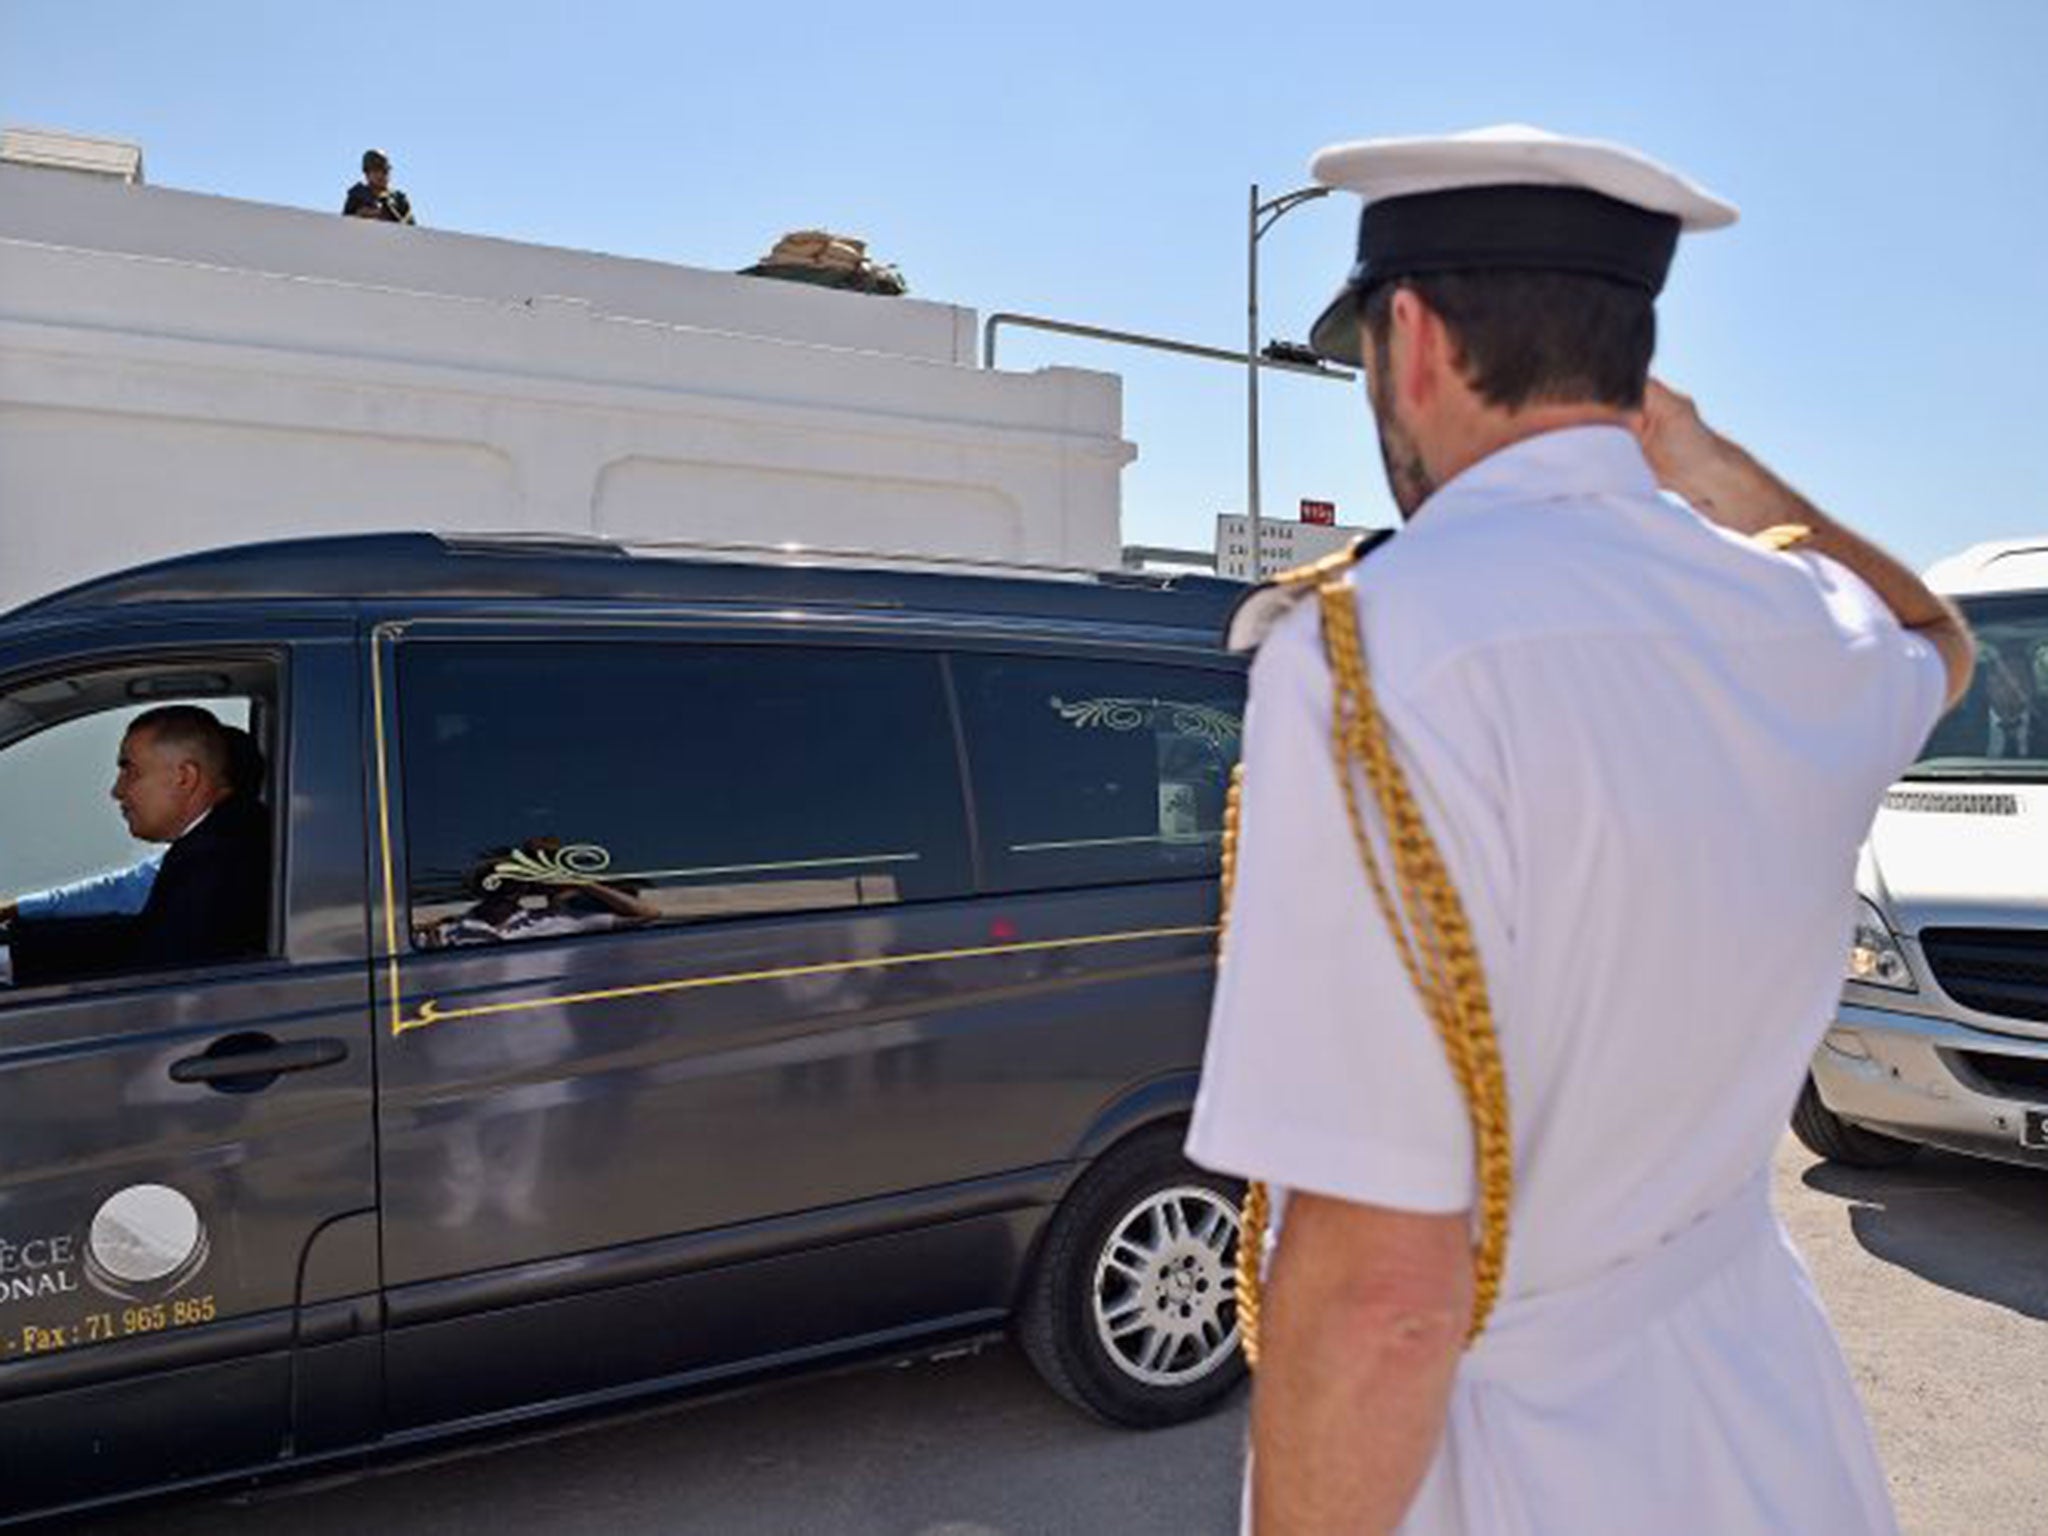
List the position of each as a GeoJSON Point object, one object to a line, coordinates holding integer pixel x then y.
{"type": "Point", "coordinates": [1092, 772]}
{"type": "Point", "coordinates": [173, 868]}
{"type": "Point", "coordinates": [567, 786]}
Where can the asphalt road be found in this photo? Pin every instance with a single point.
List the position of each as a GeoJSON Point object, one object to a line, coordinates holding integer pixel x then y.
{"type": "Point", "coordinates": [1937, 1276]}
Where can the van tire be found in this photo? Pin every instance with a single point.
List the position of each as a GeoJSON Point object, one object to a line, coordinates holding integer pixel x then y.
{"type": "Point", "coordinates": [1826, 1134]}
{"type": "Point", "coordinates": [1143, 1200]}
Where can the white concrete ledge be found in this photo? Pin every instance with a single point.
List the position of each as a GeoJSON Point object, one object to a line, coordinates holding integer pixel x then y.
{"type": "Point", "coordinates": [154, 403]}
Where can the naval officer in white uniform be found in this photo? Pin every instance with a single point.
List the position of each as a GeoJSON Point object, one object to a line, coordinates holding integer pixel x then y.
{"type": "Point", "coordinates": [1647, 745]}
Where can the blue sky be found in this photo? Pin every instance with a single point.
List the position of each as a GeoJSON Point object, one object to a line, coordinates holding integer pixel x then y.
{"type": "Point", "coordinates": [1876, 327]}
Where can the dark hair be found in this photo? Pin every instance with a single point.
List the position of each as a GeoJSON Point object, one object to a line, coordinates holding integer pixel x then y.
{"type": "Point", "coordinates": [373, 159]}
{"type": "Point", "coordinates": [1527, 337]}
{"type": "Point", "coordinates": [246, 769]}
{"type": "Point", "coordinates": [192, 731]}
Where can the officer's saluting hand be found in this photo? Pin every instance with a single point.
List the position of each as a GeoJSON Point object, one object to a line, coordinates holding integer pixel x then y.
{"type": "Point", "coordinates": [1725, 483]}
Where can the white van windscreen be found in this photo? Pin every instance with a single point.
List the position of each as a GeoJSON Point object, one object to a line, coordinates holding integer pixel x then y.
{"type": "Point", "coordinates": [1999, 729]}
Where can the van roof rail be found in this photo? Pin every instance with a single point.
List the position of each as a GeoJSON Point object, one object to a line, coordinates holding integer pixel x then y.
{"type": "Point", "coordinates": [793, 552]}
{"type": "Point", "coordinates": [524, 566]}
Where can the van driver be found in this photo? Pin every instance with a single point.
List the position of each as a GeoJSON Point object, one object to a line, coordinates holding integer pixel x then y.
{"type": "Point", "coordinates": [208, 899]}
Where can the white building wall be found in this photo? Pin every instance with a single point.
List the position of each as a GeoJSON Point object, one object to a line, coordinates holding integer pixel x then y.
{"type": "Point", "coordinates": [180, 371]}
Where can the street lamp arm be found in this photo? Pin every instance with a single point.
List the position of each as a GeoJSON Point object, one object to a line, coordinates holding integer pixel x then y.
{"type": "Point", "coordinates": [1273, 210]}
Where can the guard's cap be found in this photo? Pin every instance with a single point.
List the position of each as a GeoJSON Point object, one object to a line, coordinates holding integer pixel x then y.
{"type": "Point", "coordinates": [1496, 199]}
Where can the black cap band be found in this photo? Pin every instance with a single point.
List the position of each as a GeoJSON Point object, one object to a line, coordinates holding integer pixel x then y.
{"type": "Point", "coordinates": [1480, 229]}
{"type": "Point", "coordinates": [1558, 229]}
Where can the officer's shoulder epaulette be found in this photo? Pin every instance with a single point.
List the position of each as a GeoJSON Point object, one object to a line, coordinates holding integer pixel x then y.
{"type": "Point", "coordinates": [1253, 616]}
{"type": "Point", "coordinates": [1783, 536]}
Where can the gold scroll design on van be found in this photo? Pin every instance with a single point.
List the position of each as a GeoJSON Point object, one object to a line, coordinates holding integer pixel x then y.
{"type": "Point", "coordinates": [431, 1012]}
{"type": "Point", "coordinates": [1433, 937]}
{"type": "Point", "coordinates": [1204, 722]}
{"type": "Point", "coordinates": [570, 864]}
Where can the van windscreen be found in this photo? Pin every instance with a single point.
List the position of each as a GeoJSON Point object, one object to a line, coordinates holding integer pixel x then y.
{"type": "Point", "coordinates": [1999, 728]}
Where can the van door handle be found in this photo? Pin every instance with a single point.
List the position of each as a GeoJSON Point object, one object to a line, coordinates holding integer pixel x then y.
{"type": "Point", "coordinates": [244, 1063]}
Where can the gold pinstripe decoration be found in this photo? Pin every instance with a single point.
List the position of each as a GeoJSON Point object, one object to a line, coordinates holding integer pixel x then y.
{"type": "Point", "coordinates": [1434, 940]}
{"type": "Point", "coordinates": [430, 1011]}
{"type": "Point", "coordinates": [378, 637]}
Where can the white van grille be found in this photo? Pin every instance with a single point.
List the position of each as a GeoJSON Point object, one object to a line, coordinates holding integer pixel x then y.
{"type": "Point", "coordinates": [1952, 802]}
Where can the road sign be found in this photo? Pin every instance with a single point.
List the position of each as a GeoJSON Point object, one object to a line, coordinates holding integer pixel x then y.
{"type": "Point", "coordinates": [1281, 544]}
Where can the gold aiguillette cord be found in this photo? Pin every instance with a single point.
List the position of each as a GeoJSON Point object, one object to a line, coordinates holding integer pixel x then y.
{"type": "Point", "coordinates": [1434, 940]}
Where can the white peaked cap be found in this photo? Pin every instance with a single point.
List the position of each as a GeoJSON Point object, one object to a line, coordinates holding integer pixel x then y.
{"type": "Point", "coordinates": [1516, 155]}
{"type": "Point", "coordinates": [1506, 198]}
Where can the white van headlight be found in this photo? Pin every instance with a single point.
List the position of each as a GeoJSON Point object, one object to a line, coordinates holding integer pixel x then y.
{"type": "Point", "coordinates": [1875, 958]}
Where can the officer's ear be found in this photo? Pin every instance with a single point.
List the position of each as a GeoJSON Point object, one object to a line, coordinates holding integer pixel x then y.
{"type": "Point", "coordinates": [1421, 355]}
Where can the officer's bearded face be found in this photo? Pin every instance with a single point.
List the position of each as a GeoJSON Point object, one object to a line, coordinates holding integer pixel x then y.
{"type": "Point", "coordinates": [1408, 477]}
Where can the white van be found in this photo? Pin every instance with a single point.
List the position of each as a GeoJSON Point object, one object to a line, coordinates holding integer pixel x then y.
{"type": "Point", "coordinates": [1941, 1038]}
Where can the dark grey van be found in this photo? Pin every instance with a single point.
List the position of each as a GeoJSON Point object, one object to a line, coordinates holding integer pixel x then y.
{"type": "Point", "coordinates": [676, 969]}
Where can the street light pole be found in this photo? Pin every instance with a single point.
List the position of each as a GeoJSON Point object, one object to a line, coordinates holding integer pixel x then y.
{"type": "Point", "coordinates": [1262, 217]}
{"type": "Point", "coordinates": [1251, 368]}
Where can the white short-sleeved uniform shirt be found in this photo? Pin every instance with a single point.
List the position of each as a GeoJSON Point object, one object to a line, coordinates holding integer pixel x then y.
{"type": "Point", "coordinates": [1649, 750]}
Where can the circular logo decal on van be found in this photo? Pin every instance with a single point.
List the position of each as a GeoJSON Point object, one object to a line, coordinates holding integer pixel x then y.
{"type": "Point", "coordinates": [145, 1237]}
